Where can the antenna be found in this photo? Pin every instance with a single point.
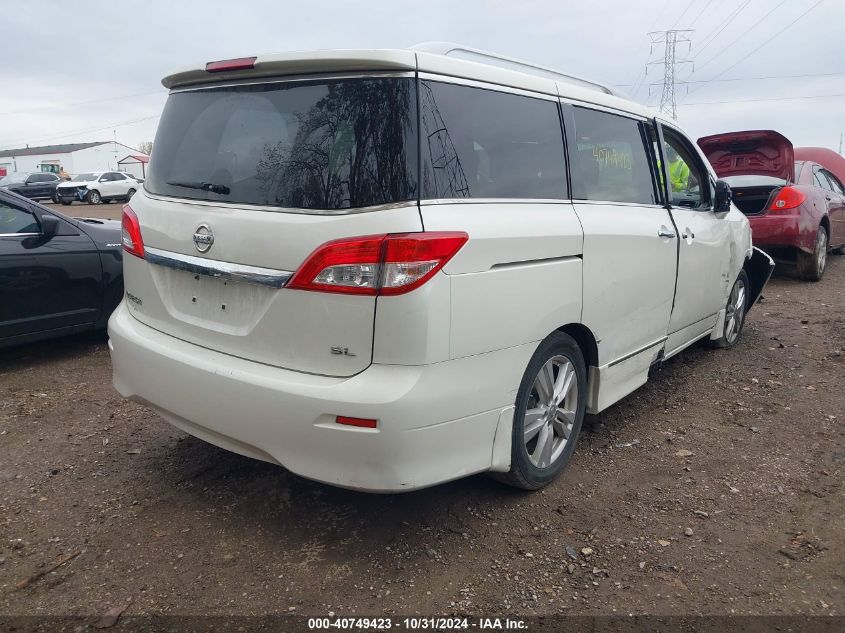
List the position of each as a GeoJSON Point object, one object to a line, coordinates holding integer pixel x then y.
{"type": "Point", "coordinates": [669, 39]}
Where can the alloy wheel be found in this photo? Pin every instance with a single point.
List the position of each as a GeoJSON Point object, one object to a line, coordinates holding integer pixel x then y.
{"type": "Point", "coordinates": [551, 411]}
{"type": "Point", "coordinates": [821, 251]}
{"type": "Point", "coordinates": [735, 312]}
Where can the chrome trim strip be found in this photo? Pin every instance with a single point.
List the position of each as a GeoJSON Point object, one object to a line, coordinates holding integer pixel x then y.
{"type": "Point", "coordinates": [639, 351]}
{"type": "Point", "coordinates": [263, 207]}
{"type": "Point", "coordinates": [425, 202]}
{"type": "Point", "coordinates": [615, 203]}
{"type": "Point", "coordinates": [18, 234]}
{"type": "Point", "coordinates": [270, 79]}
{"type": "Point", "coordinates": [589, 105]}
{"type": "Point", "coordinates": [222, 270]}
{"type": "Point", "coordinates": [485, 85]}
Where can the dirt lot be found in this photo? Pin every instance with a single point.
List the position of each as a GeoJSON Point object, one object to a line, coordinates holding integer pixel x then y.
{"type": "Point", "coordinates": [110, 211]}
{"type": "Point", "coordinates": [717, 488]}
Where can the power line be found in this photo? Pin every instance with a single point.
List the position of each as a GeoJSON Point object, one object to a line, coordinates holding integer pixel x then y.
{"type": "Point", "coordinates": [727, 47]}
{"type": "Point", "coordinates": [701, 81]}
{"type": "Point", "coordinates": [708, 39]}
{"type": "Point", "coordinates": [87, 102]}
{"type": "Point", "coordinates": [641, 74]}
{"type": "Point", "coordinates": [82, 131]}
{"type": "Point", "coordinates": [831, 96]}
{"type": "Point", "coordinates": [700, 13]}
{"type": "Point", "coordinates": [749, 54]}
{"type": "Point", "coordinates": [683, 13]}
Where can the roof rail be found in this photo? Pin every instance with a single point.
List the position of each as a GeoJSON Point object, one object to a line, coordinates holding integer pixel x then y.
{"type": "Point", "coordinates": [473, 54]}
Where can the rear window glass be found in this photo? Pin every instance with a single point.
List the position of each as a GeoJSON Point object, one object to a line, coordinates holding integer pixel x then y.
{"type": "Point", "coordinates": [479, 143]}
{"type": "Point", "coordinates": [309, 145]}
{"type": "Point", "coordinates": [610, 162]}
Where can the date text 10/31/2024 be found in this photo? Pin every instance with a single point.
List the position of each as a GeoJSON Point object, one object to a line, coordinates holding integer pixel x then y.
{"type": "Point", "coordinates": [417, 623]}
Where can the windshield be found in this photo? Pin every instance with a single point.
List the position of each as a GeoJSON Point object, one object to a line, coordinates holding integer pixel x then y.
{"type": "Point", "coordinates": [85, 177]}
{"type": "Point", "coordinates": [309, 145]}
{"type": "Point", "coordinates": [12, 179]}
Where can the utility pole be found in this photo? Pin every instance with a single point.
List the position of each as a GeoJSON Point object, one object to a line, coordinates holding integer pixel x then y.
{"type": "Point", "coordinates": [670, 62]}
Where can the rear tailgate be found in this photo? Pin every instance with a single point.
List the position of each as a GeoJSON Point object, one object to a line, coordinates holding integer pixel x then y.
{"type": "Point", "coordinates": [752, 152]}
{"type": "Point", "coordinates": [264, 173]}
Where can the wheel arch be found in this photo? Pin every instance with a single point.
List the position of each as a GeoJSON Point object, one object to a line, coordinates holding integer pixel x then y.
{"type": "Point", "coordinates": [586, 341]}
{"type": "Point", "coordinates": [825, 222]}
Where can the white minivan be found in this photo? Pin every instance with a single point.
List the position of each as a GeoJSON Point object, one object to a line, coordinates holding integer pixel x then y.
{"type": "Point", "coordinates": [385, 269]}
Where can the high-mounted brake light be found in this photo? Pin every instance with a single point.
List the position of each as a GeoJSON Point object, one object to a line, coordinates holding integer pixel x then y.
{"type": "Point", "coordinates": [377, 264]}
{"type": "Point", "coordinates": [130, 233]}
{"type": "Point", "coordinates": [788, 198]}
{"type": "Point", "coordinates": [241, 63]}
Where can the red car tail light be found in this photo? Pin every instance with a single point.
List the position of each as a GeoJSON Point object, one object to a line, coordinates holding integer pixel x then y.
{"type": "Point", "coordinates": [241, 63]}
{"type": "Point", "coordinates": [377, 264]}
{"type": "Point", "coordinates": [130, 233]}
{"type": "Point", "coordinates": [788, 198]}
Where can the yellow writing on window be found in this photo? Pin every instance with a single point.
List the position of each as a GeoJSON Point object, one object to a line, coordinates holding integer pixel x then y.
{"type": "Point", "coordinates": [612, 157]}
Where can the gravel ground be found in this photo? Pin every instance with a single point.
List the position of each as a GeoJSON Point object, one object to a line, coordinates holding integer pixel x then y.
{"type": "Point", "coordinates": [715, 489]}
{"type": "Point", "coordinates": [111, 211]}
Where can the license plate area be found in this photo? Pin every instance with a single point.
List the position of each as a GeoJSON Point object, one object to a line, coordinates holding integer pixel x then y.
{"type": "Point", "coordinates": [214, 303]}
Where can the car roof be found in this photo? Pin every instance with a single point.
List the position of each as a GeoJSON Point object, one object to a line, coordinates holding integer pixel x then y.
{"type": "Point", "coordinates": [492, 70]}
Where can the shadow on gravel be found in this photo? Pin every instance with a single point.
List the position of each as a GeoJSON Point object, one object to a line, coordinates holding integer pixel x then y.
{"type": "Point", "coordinates": [31, 355]}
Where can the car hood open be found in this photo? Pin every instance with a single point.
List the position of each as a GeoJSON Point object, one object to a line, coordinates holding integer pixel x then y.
{"type": "Point", "coordinates": [752, 152]}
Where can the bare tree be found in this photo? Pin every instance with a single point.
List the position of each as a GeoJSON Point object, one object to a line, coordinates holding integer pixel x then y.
{"type": "Point", "coordinates": [145, 147]}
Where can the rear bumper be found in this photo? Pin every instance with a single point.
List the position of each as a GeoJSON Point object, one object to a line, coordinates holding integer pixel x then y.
{"type": "Point", "coordinates": [435, 422]}
{"type": "Point", "coordinates": [781, 231]}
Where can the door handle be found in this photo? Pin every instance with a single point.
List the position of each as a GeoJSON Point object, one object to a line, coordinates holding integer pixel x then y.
{"type": "Point", "coordinates": [665, 232]}
{"type": "Point", "coordinates": [688, 234]}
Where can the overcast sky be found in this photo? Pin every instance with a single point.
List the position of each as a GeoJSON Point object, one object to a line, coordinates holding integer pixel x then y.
{"type": "Point", "coordinates": [77, 71]}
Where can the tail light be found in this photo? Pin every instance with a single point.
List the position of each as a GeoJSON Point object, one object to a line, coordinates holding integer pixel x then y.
{"type": "Point", "coordinates": [788, 198]}
{"type": "Point", "coordinates": [377, 264]}
{"type": "Point", "coordinates": [130, 233]}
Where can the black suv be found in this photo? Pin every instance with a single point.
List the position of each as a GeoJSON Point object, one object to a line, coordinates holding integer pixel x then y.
{"type": "Point", "coordinates": [35, 185]}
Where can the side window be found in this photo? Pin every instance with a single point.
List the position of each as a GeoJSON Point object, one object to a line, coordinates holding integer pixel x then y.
{"type": "Point", "coordinates": [686, 172]}
{"type": "Point", "coordinates": [479, 143]}
{"type": "Point", "coordinates": [610, 161]}
{"type": "Point", "coordinates": [834, 182]}
{"type": "Point", "coordinates": [16, 220]}
{"type": "Point", "coordinates": [822, 181]}
{"type": "Point", "coordinates": [117, 176]}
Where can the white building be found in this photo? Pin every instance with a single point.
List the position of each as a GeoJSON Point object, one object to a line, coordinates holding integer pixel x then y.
{"type": "Point", "coordinates": [73, 158]}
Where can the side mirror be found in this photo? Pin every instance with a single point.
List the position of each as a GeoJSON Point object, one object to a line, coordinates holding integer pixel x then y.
{"type": "Point", "coordinates": [722, 202]}
{"type": "Point", "coordinates": [49, 225]}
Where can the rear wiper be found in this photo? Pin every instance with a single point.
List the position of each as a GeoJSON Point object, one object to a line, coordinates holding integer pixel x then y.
{"type": "Point", "coordinates": [205, 186]}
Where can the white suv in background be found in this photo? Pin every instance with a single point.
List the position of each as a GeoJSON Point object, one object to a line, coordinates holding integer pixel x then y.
{"type": "Point", "coordinates": [388, 269]}
{"type": "Point", "coordinates": [96, 187]}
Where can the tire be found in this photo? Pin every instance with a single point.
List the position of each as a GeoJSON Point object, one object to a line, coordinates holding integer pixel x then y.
{"type": "Point", "coordinates": [735, 311]}
{"type": "Point", "coordinates": [811, 265]}
{"type": "Point", "coordinates": [55, 198]}
{"type": "Point", "coordinates": [67, 203]}
{"type": "Point", "coordinates": [556, 429]}
{"type": "Point", "coordinates": [93, 197]}
{"type": "Point", "coordinates": [129, 194]}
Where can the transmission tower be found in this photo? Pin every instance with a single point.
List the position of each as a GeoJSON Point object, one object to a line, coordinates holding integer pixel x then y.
{"type": "Point", "coordinates": [670, 62]}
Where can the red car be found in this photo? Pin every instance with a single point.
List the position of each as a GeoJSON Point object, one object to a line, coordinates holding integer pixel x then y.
{"type": "Point", "coordinates": [796, 208]}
